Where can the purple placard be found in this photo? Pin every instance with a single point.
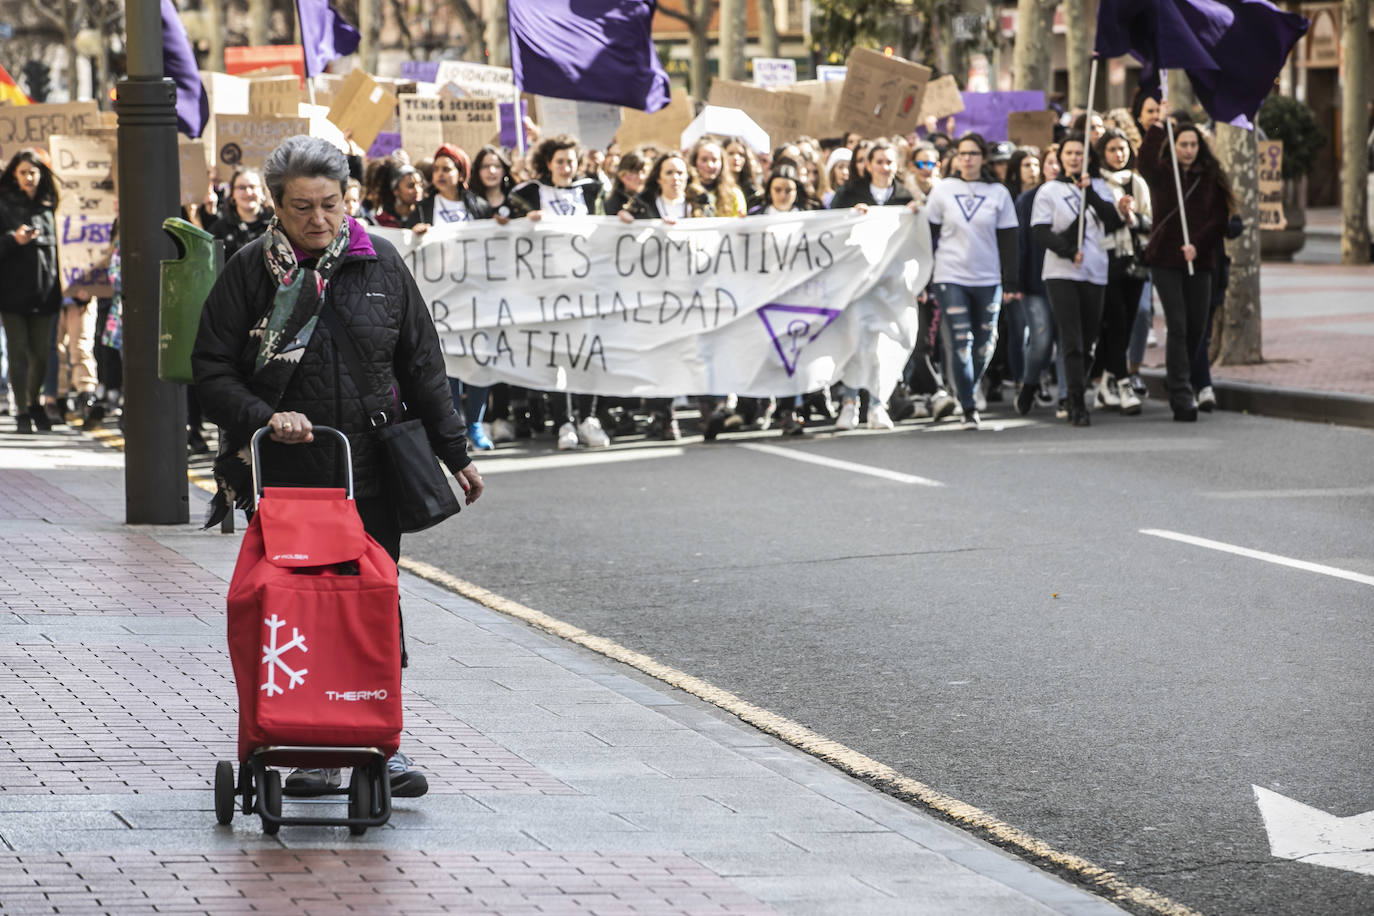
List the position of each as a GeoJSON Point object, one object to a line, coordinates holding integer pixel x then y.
{"type": "Point", "coordinates": [986, 112]}
{"type": "Point", "coordinates": [387, 142]}
{"type": "Point", "coordinates": [423, 71]}
{"type": "Point", "coordinates": [507, 115]}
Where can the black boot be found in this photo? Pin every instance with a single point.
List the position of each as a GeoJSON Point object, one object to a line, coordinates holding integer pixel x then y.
{"type": "Point", "coordinates": [1078, 410]}
{"type": "Point", "coordinates": [1025, 398]}
{"type": "Point", "coordinates": [23, 424]}
{"type": "Point", "coordinates": [41, 421]}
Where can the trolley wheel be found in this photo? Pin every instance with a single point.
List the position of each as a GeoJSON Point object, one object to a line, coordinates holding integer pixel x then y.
{"type": "Point", "coordinates": [225, 793]}
{"type": "Point", "coordinates": [359, 799]}
{"type": "Point", "coordinates": [271, 800]}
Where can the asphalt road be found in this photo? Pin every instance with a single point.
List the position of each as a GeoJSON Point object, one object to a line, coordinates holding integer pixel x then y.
{"type": "Point", "coordinates": [1009, 637]}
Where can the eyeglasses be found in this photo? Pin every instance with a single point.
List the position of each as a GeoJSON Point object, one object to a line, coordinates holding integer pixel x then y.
{"type": "Point", "coordinates": [925, 163]}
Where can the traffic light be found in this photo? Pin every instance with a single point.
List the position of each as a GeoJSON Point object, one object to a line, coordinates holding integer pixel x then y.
{"type": "Point", "coordinates": [39, 80]}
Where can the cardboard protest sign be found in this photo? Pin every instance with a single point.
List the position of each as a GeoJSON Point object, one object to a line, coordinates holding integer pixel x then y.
{"type": "Point", "coordinates": [1271, 185]}
{"type": "Point", "coordinates": [941, 99]}
{"type": "Point", "coordinates": [662, 128]}
{"type": "Point", "coordinates": [477, 80]}
{"type": "Point", "coordinates": [1031, 128]}
{"type": "Point", "coordinates": [195, 173]}
{"type": "Point", "coordinates": [245, 141]}
{"type": "Point", "coordinates": [363, 106]}
{"type": "Point", "coordinates": [986, 112]}
{"type": "Point", "coordinates": [427, 122]}
{"type": "Point", "coordinates": [86, 210]}
{"type": "Point", "coordinates": [32, 125]}
{"type": "Point", "coordinates": [593, 123]}
{"type": "Point", "coordinates": [274, 95]}
{"type": "Point", "coordinates": [783, 115]}
{"type": "Point", "coordinates": [825, 100]}
{"type": "Point", "coordinates": [882, 95]}
{"type": "Point", "coordinates": [774, 71]}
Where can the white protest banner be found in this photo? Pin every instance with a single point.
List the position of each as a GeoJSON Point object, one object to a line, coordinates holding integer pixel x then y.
{"type": "Point", "coordinates": [478, 81]}
{"type": "Point", "coordinates": [245, 141]}
{"type": "Point", "coordinates": [771, 72]}
{"type": "Point", "coordinates": [594, 124]}
{"type": "Point", "coordinates": [774, 305]}
{"type": "Point", "coordinates": [31, 125]}
{"type": "Point", "coordinates": [1271, 214]}
{"type": "Point", "coordinates": [84, 167]}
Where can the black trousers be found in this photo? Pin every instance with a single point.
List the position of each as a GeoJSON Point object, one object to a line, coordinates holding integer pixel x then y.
{"type": "Point", "coordinates": [379, 520]}
{"type": "Point", "coordinates": [1077, 308]}
{"type": "Point", "coordinates": [1121, 302]}
{"type": "Point", "coordinates": [1185, 300]}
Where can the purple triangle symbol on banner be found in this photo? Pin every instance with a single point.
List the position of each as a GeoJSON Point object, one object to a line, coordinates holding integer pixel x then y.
{"type": "Point", "coordinates": [794, 326]}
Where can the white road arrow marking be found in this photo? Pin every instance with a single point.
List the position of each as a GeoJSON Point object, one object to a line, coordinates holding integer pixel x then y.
{"type": "Point", "coordinates": [1307, 834]}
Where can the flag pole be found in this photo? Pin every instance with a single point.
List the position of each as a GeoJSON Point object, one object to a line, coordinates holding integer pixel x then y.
{"type": "Point", "coordinates": [517, 116]}
{"type": "Point", "coordinates": [1173, 156]}
{"type": "Point", "coordinates": [1087, 143]}
{"type": "Point", "coordinates": [305, 58]}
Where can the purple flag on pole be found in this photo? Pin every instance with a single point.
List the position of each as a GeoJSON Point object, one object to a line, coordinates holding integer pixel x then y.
{"type": "Point", "coordinates": [179, 65]}
{"type": "Point", "coordinates": [588, 50]}
{"type": "Point", "coordinates": [1232, 50]}
{"type": "Point", "coordinates": [325, 34]}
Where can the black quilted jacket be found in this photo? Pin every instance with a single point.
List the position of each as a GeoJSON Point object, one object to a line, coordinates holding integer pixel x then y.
{"type": "Point", "coordinates": [375, 297]}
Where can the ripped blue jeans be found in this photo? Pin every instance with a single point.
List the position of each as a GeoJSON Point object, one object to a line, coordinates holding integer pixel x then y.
{"type": "Point", "coordinates": [968, 327]}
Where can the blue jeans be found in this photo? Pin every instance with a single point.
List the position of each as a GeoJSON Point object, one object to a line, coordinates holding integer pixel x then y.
{"type": "Point", "coordinates": [471, 400]}
{"type": "Point", "coordinates": [1140, 334]}
{"type": "Point", "coordinates": [1039, 336]}
{"type": "Point", "coordinates": [968, 327]}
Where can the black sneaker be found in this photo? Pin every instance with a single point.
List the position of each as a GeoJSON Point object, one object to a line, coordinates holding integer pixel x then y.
{"type": "Point", "coordinates": [307, 782]}
{"type": "Point", "coordinates": [405, 782]}
{"type": "Point", "coordinates": [1025, 399]}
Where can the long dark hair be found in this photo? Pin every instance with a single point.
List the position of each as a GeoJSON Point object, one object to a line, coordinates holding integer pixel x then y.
{"type": "Point", "coordinates": [1115, 133]}
{"type": "Point", "coordinates": [1138, 104]}
{"type": "Point", "coordinates": [541, 161]}
{"type": "Point", "coordinates": [46, 194]}
{"type": "Point", "coordinates": [1206, 162]}
{"type": "Point", "coordinates": [1013, 181]}
{"type": "Point", "coordinates": [1091, 166]}
{"type": "Point", "coordinates": [475, 182]}
{"type": "Point", "coordinates": [694, 193]}
{"type": "Point", "coordinates": [985, 172]}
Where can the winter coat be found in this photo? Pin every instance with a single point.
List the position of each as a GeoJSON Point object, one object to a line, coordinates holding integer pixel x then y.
{"type": "Point", "coordinates": [477, 207]}
{"type": "Point", "coordinates": [1204, 204]}
{"type": "Point", "coordinates": [373, 295]}
{"type": "Point", "coordinates": [642, 207]}
{"type": "Point", "coordinates": [861, 192]}
{"type": "Point", "coordinates": [236, 232]}
{"type": "Point", "coordinates": [524, 197]}
{"type": "Point", "coordinates": [30, 283]}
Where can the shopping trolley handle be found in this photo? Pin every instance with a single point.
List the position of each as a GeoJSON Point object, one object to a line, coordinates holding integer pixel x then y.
{"type": "Point", "coordinates": [257, 459]}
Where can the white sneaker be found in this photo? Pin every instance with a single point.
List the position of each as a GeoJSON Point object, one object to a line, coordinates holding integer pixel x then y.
{"type": "Point", "coordinates": [920, 410]}
{"type": "Point", "coordinates": [1106, 392]}
{"type": "Point", "coordinates": [942, 405]}
{"type": "Point", "coordinates": [567, 437]}
{"type": "Point", "coordinates": [591, 434]}
{"type": "Point", "coordinates": [849, 415]}
{"type": "Point", "coordinates": [502, 431]}
{"type": "Point", "coordinates": [1207, 399]}
{"type": "Point", "coordinates": [878, 417]}
{"type": "Point", "coordinates": [972, 421]}
{"type": "Point", "coordinates": [1130, 401]}
{"type": "Point", "coordinates": [980, 400]}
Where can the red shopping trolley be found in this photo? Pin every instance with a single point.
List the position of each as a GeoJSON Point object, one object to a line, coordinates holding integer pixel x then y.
{"type": "Point", "coordinates": [314, 639]}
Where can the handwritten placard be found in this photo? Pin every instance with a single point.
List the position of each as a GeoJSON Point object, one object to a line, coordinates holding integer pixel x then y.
{"type": "Point", "coordinates": [195, 174]}
{"type": "Point", "coordinates": [771, 72]}
{"type": "Point", "coordinates": [245, 141]}
{"type": "Point", "coordinates": [783, 115]}
{"type": "Point", "coordinates": [427, 122]}
{"type": "Point", "coordinates": [32, 125]}
{"type": "Point", "coordinates": [882, 95]}
{"type": "Point", "coordinates": [1271, 185]}
{"type": "Point", "coordinates": [477, 80]}
{"type": "Point", "coordinates": [274, 95]}
{"type": "Point", "coordinates": [1031, 128]}
{"type": "Point", "coordinates": [942, 98]}
{"type": "Point", "coordinates": [86, 211]}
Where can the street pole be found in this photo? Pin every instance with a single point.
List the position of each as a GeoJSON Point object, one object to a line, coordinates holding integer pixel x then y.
{"type": "Point", "coordinates": [155, 485]}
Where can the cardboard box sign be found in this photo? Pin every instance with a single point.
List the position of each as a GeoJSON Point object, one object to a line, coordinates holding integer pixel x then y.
{"type": "Point", "coordinates": [274, 95]}
{"type": "Point", "coordinates": [427, 122]}
{"type": "Point", "coordinates": [825, 100]}
{"type": "Point", "coordinates": [1031, 128]}
{"type": "Point", "coordinates": [362, 105]}
{"type": "Point", "coordinates": [662, 129]}
{"type": "Point", "coordinates": [86, 211]}
{"type": "Point", "coordinates": [882, 95]}
{"type": "Point", "coordinates": [195, 174]}
{"type": "Point", "coordinates": [31, 125]}
{"type": "Point", "coordinates": [942, 98]}
{"type": "Point", "coordinates": [784, 115]}
{"type": "Point", "coordinates": [245, 141]}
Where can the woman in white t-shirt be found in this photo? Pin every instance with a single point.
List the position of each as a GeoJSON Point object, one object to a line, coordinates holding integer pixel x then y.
{"type": "Point", "coordinates": [973, 224]}
{"type": "Point", "coordinates": [1076, 276]}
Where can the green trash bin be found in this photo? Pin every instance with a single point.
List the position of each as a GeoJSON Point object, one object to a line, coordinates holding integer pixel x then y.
{"type": "Point", "coordinates": [185, 285]}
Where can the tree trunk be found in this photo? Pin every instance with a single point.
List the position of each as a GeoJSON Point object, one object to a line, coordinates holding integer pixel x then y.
{"type": "Point", "coordinates": [369, 32]}
{"type": "Point", "coordinates": [214, 11]}
{"type": "Point", "coordinates": [768, 28]}
{"type": "Point", "coordinates": [1354, 98]}
{"type": "Point", "coordinates": [701, 63]}
{"type": "Point", "coordinates": [1078, 22]}
{"type": "Point", "coordinates": [70, 25]}
{"type": "Point", "coordinates": [259, 21]}
{"type": "Point", "coordinates": [1239, 325]}
{"type": "Point", "coordinates": [1033, 53]}
{"type": "Point", "coordinates": [730, 45]}
{"type": "Point", "coordinates": [498, 34]}
{"type": "Point", "coordinates": [1181, 95]}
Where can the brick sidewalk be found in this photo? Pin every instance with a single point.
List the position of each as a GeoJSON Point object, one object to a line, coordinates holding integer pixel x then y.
{"type": "Point", "coordinates": [558, 783]}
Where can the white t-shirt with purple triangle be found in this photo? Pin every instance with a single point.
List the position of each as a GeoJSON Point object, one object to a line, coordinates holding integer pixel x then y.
{"type": "Point", "coordinates": [1056, 204]}
{"type": "Point", "coordinates": [969, 213]}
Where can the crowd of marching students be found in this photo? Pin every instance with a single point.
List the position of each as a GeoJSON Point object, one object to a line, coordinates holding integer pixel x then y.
{"type": "Point", "coordinates": [1047, 262]}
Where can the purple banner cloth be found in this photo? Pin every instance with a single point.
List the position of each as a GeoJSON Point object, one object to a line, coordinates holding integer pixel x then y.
{"type": "Point", "coordinates": [422, 71]}
{"type": "Point", "coordinates": [588, 50]}
{"type": "Point", "coordinates": [506, 113]}
{"type": "Point", "coordinates": [325, 35]}
{"type": "Point", "coordinates": [387, 142]}
{"type": "Point", "coordinates": [179, 65]}
{"type": "Point", "coordinates": [1232, 50]}
{"type": "Point", "coordinates": [986, 112]}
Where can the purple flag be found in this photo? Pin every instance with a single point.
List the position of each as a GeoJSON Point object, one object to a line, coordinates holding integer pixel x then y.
{"type": "Point", "coordinates": [588, 50]}
{"type": "Point", "coordinates": [1232, 50]}
{"type": "Point", "coordinates": [325, 34]}
{"type": "Point", "coordinates": [179, 65]}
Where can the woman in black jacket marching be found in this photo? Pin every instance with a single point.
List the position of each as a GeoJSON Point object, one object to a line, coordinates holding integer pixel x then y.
{"type": "Point", "coordinates": [30, 278]}
{"type": "Point", "coordinates": [266, 355]}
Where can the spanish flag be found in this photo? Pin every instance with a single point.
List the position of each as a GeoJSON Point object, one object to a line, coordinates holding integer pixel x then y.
{"type": "Point", "coordinates": [10, 93]}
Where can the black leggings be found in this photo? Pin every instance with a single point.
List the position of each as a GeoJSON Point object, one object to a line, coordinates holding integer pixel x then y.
{"type": "Point", "coordinates": [1077, 307]}
{"type": "Point", "coordinates": [1119, 305]}
{"type": "Point", "coordinates": [1185, 299]}
{"type": "Point", "coordinates": [30, 339]}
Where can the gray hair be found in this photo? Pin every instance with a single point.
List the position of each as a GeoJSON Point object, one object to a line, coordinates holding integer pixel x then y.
{"type": "Point", "coordinates": [303, 157]}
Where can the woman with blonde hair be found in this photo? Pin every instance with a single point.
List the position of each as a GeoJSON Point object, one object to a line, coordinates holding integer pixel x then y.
{"type": "Point", "coordinates": [707, 161]}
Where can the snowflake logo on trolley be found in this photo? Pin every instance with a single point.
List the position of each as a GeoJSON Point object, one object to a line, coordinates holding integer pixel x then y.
{"type": "Point", "coordinates": [271, 657]}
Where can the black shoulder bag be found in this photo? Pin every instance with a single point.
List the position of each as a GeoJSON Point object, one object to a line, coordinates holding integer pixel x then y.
{"type": "Point", "coordinates": [416, 484]}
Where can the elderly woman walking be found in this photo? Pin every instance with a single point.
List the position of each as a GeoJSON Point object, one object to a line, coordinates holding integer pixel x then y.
{"type": "Point", "coordinates": [273, 351]}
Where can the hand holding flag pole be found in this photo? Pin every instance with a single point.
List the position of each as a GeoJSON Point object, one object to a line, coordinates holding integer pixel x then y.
{"type": "Point", "coordinates": [1173, 157]}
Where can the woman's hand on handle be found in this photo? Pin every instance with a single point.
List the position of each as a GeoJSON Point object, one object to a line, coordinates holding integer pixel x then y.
{"type": "Point", "coordinates": [291, 428]}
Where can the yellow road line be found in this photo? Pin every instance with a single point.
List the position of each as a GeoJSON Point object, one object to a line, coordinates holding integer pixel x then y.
{"type": "Point", "coordinates": [844, 758]}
